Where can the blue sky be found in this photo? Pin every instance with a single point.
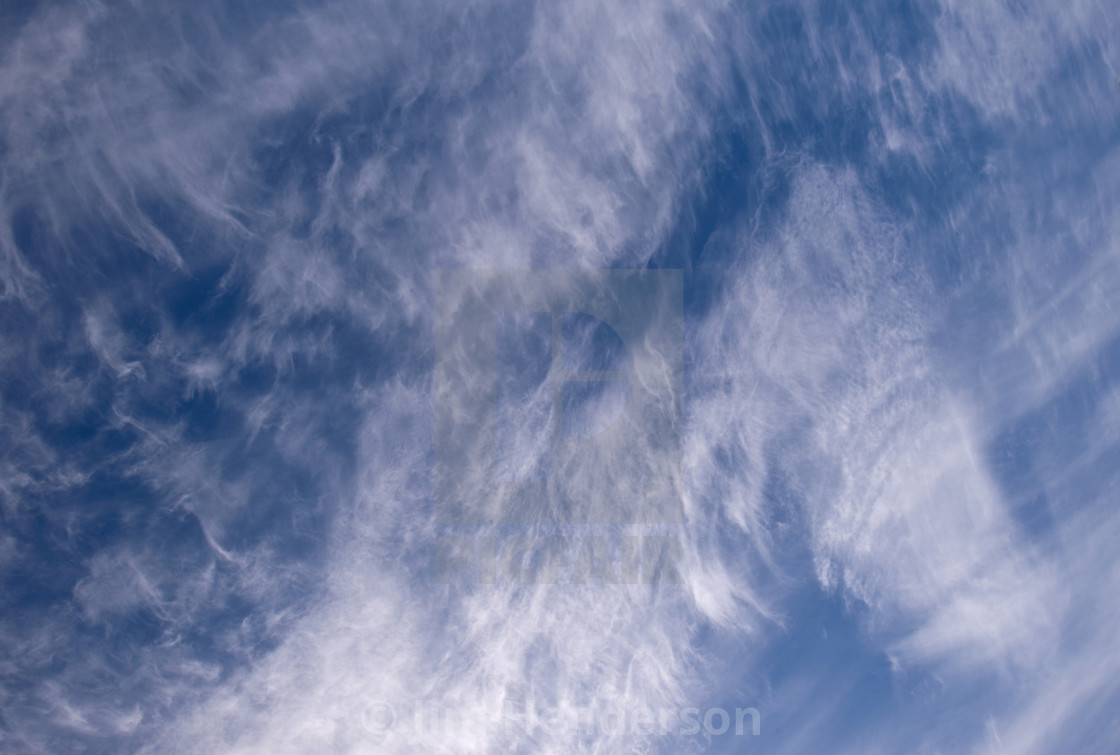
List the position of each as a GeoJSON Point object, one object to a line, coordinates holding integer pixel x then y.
{"type": "Point", "coordinates": [871, 425]}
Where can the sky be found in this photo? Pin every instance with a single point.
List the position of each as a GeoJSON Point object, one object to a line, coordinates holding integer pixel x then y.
{"type": "Point", "coordinates": [549, 377]}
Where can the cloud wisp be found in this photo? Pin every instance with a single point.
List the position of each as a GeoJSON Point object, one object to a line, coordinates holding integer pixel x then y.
{"type": "Point", "coordinates": [228, 380]}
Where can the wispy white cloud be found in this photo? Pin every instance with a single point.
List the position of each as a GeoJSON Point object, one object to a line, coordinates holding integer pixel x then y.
{"type": "Point", "coordinates": [219, 231]}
